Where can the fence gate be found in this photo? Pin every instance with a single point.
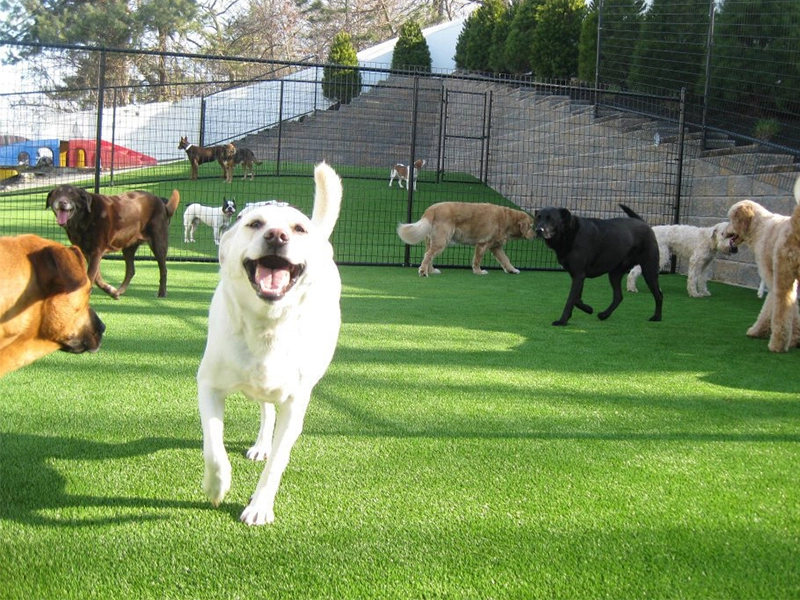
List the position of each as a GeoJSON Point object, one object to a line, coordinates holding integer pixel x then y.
{"type": "Point", "coordinates": [465, 134]}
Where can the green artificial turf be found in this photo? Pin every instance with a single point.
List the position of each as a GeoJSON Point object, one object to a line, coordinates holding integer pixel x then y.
{"type": "Point", "coordinates": [458, 447]}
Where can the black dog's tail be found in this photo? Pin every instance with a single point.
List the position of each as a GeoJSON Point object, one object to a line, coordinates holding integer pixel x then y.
{"type": "Point", "coordinates": [630, 212]}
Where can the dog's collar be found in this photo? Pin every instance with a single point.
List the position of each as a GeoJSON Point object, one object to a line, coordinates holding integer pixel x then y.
{"type": "Point", "coordinates": [189, 146]}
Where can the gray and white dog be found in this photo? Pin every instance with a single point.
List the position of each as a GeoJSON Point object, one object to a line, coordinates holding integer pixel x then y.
{"type": "Point", "coordinates": [218, 218]}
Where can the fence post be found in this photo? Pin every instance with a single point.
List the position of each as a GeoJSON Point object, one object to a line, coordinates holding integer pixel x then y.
{"type": "Point", "coordinates": [411, 168]}
{"type": "Point", "coordinates": [676, 209]}
{"type": "Point", "coordinates": [707, 83]}
{"type": "Point", "coordinates": [280, 131]}
{"type": "Point", "coordinates": [440, 149]}
{"type": "Point", "coordinates": [201, 135]}
{"type": "Point", "coordinates": [597, 54]}
{"type": "Point", "coordinates": [98, 138]}
{"type": "Point", "coordinates": [487, 135]}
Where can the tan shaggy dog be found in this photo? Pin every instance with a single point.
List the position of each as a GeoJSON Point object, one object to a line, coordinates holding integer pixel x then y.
{"type": "Point", "coordinates": [485, 226]}
{"type": "Point", "coordinates": [44, 302]}
{"type": "Point", "coordinates": [775, 241]}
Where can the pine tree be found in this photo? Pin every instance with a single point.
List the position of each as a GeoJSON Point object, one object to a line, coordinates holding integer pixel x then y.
{"type": "Point", "coordinates": [554, 48]}
{"type": "Point", "coordinates": [753, 63]}
{"type": "Point", "coordinates": [342, 84]}
{"type": "Point", "coordinates": [411, 52]}
{"type": "Point", "coordinates": [474, 42]}
{"type": "Point", "coordinates": [519, 42]}
{"type": "Point", "coordinates": [671, 50]}
{"type": "Point", "coordinates": [622, 20]}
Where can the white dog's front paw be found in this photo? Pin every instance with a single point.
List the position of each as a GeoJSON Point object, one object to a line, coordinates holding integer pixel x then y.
{"type": "Point", "coordinates": [513, 271]}
{"type": "Point", "coordinates": [217, 480]}
{"type": "Point", "coordinates": [258, 452]}
{"type": "Point", "coordinates": [257, 515]}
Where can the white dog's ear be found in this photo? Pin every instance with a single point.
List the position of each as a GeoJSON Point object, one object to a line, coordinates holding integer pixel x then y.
{"type": "Point", "coordinates": [327, 198]}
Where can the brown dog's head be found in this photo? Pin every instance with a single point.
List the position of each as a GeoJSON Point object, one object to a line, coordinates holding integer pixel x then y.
{"type": "Point", "coordinates": [524, 225]}
{"type": "Point", "coordinates": [66, 201]}
{"type": "Point", "coordinates": [184, 143]}
{"type": "Point", "coordinates": [46, 301]}
{"type": "Point", "coordinates": [67, 318]}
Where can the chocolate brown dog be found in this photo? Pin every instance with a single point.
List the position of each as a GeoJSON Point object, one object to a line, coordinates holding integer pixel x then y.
{"type": "Point", "coordinates": [100, 224]}
{"type": "Point", "coordinates": [44, 302]}
{"type": "Point", "coordinates": [588, 247]}
{"type": "Point", "coordinates": [225, 155]}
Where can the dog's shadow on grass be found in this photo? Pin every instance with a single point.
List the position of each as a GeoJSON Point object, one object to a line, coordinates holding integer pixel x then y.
{"type": "Point", "coordinates": [34, 493]}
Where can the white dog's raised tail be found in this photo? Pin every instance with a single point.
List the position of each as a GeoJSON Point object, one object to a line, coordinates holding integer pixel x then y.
{"type": "Point", "coordinates": [327, 198]}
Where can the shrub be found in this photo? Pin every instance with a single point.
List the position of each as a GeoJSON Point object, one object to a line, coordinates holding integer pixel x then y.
{"type": "Point", "coordinates": [411, 52]}
{"type": "Point", "coordinates": [342, 84]}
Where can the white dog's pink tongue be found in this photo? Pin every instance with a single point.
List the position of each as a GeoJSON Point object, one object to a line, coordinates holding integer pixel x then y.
{"type": "Point", "coordinates": [272, 281]}
{"type": "Point", "coordinates": [62, 216]}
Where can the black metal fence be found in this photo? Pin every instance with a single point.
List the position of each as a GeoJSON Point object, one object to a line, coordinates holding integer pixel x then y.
{"type": "Point", "coordinates": [520, 143]}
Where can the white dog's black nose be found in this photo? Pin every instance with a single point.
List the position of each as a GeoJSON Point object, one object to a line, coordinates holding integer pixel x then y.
{"type": "Point", "coordinates": [277, 236]}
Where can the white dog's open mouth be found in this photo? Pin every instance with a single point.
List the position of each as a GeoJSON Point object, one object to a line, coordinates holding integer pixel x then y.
{"type": "Point", "coordinates": [272, 276]}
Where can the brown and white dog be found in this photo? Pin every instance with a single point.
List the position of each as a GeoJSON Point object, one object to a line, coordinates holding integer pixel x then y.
{"type": "Point", "coordinates": [775, 242]}
{"type": "Point", "coordinates": [485, 226]}
{"type": "Point", "coordinates": [100, 224]}
{"type": "Point", "coordinates": [224, 155]}
{"type": "Point", "coordinates": [44, 302]}
{"type": "Point", "coordinates": [246, 158]}
{"type": "Point", "coordinates": [400, 172]}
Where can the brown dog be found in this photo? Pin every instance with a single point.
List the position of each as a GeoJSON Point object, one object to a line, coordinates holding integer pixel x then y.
{"type": "Point", "coordinates": [485, 226]}
{"type": "Point", "coordinates": [246, 158]}
{"type": "Point", "coordinates": [44, 302]}
{"type": "Point", "coordinates": [224, 155]}
{"type": "Point", "coordinates": [100, 224]}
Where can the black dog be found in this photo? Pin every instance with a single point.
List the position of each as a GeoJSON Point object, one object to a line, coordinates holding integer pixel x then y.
{"type": "Point", "coordinates": [591, 247]}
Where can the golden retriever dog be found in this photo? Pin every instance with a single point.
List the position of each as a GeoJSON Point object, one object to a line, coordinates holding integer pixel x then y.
{"type": "Point", "coordinates": [273, 326]}
{"type": "Point", "coordinates": [485, 226]}
{"type": "Point", "coordinates": [775, 241]}
{"type": "Point", "coordinates": [44, 302]}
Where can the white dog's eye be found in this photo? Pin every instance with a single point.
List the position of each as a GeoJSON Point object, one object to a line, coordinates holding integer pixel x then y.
{"type": "Point", "coordinates": [256, 224]}
{"type": "Point", "coordinates": [299, 229]}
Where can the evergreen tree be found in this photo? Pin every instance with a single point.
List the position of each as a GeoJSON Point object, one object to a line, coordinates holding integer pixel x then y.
{"type": "Point", "coordinates": [475, 40]}
{"type": "Point", "coordinates": [517, 51]}
{"type": "Point", "coordinates": [587, 45]}
{"type": "Point", "coordinates": [754, 62]}
{"type": "Point", "coordinates": [671, 50]}
{"type": "Point", "coordinates": [342, 84]}
{"type": "Point", "coordinates": [622, 20]}
{"type": "Point", "coordinates": [117, 24]}
{"type": "Point", "coordinates": [411, 52]}
{"type": "Point", "coordinates": [497, 56]}
{"type": "Point", "coordinates": [554, 48]}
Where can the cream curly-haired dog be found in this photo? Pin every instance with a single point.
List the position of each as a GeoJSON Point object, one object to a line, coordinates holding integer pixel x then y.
{"type": "Point", "coordinates": [698, 245]}
{"type": "Point", "coordinates": [775, 241]}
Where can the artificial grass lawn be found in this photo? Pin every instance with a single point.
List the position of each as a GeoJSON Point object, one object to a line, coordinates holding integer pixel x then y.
{"type": "Point", "coordinates": [459, 447]}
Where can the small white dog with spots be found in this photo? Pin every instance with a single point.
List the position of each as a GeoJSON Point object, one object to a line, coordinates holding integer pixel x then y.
{"type": "Point", "coordinates": [216, 217]}
{"type": "Point", "coordinates": [698, 245]}
{"type": "Point", "coordinates": [273, 326]}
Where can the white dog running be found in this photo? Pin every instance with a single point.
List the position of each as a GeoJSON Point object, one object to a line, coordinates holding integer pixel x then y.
{"type": "Point", "coordinates": [698, 245]}
{"type": "Point", "coordinates": [216, 217]}
{"type": "Point", "coordinates": [272, 331]}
